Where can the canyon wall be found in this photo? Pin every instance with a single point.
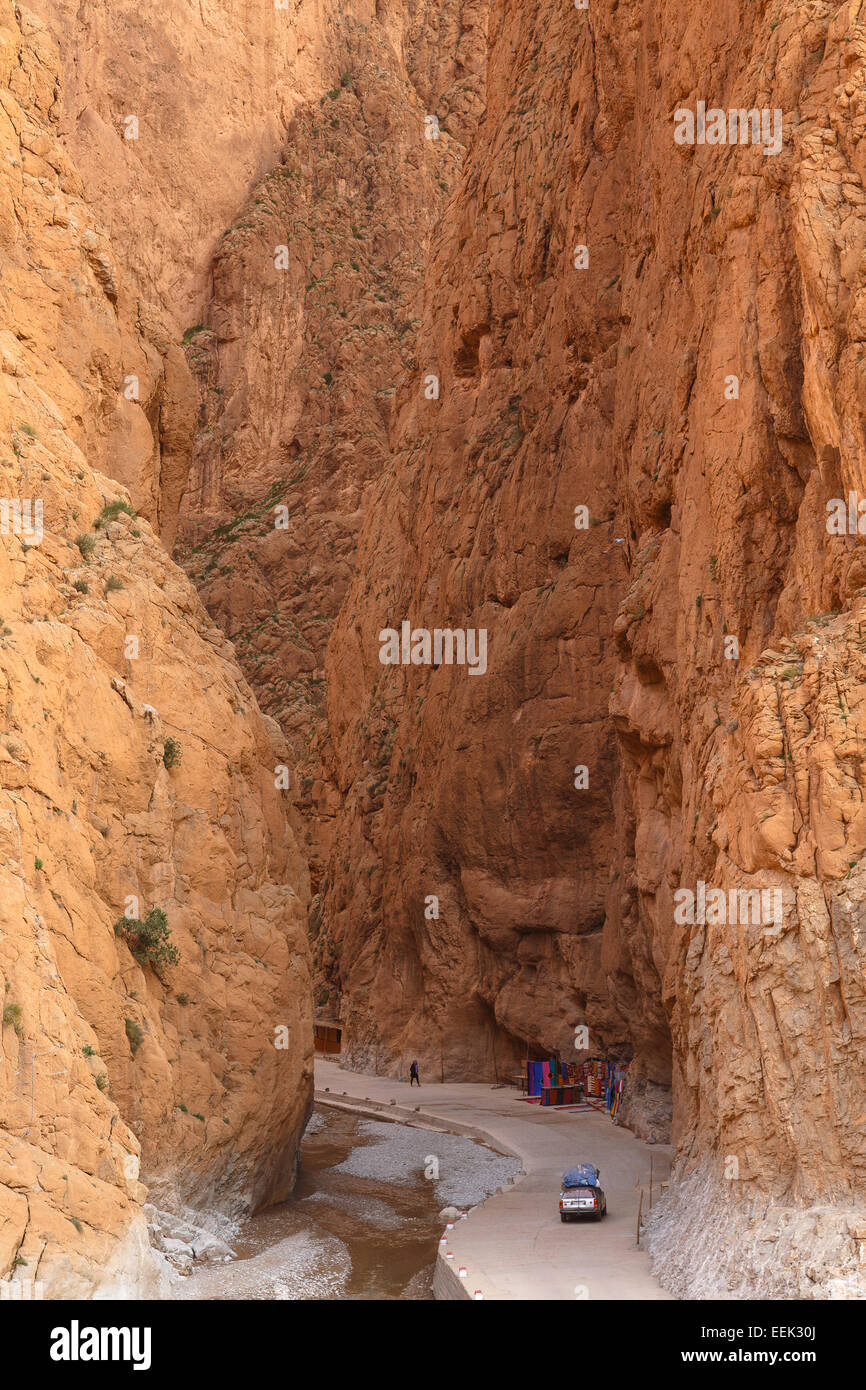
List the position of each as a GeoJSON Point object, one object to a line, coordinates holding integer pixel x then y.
{"type": "Point", "coordinates": [694, 380]}
{"type": "Point", "coordinates": [467, 888]}
{"type": "Point", "coordinates": [171, 113]}
{"type": "Point", "coordinates": [313, 318]}
{"type": "Point", "coordinates": [136, 773]}
{"type": "Point", "coordinates": [554, 376]}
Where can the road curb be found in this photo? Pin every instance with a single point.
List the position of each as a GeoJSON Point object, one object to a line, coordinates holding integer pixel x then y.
{"type": "Point", "coordinates": [420, 1120]}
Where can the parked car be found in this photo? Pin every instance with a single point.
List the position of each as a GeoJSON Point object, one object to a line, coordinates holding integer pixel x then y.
{"type": "Point", "coordinates": [581, 1193]}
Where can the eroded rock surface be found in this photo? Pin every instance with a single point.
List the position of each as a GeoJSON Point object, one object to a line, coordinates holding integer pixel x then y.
{"type": "Point", "coordinates": [736, 765]}
{"type": "Point", "coordinates": [695, 383]}
{"type": "Point", "coordinates": [111, 1071]}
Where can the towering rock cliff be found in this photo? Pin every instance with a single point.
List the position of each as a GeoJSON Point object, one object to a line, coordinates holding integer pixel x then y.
{"type": "Point", "coordinates": [668, 335]}
{"type": "Point", "coordinates": [136, 773]}
{"type": "Point", "coordinates": [316, 300]}
{"type": "Point", "coordinates": [692, 382]}
{"type": "Point", "coordinates": [467, 887]}
{"type": "Point", "coordinates": [555, 376]}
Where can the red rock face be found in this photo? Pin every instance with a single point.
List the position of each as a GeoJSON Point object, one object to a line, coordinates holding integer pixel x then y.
{"type": "Point", "coordinates": [312, 322]}
{"type": "Point", "coordinates": [565, 378]}
{"type": "Point", "coordinates": [298, 366]}
{"type": "Point", "coordinates": [696, 387]}
{"type": "Point", "coordinates": [467, 787]}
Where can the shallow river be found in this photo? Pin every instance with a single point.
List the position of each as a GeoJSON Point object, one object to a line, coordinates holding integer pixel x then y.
{"type": "Point", "coordinates": [363, 1221]}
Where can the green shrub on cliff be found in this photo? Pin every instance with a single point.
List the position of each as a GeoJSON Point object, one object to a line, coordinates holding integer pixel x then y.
{"type": "Point", "coordinates": [12, 1018]}
{"type": "Point", "coordinates": [111, 512]}
{"type": "Point", "coordinates": [150, 940]}
{"type": "Point", "coordinates": [172, 752]}
{"type": "Point", "coordinates": [134, 1034]}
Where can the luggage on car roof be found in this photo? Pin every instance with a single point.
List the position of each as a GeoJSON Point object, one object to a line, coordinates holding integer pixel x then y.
{"type": "Point", "coordinates": [582, 1175]}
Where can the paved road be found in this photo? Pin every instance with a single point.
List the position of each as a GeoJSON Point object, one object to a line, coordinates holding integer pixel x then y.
{"type": "Point", "coordinates": [515, 1246]}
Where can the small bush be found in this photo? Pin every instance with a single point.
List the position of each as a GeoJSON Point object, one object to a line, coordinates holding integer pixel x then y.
{"type": "Point", "coordinates": [12, 1018]}
{"type": "Point", "coordinates": [88, 1050]}
{"type": "Point", "coordinates": [183, 1000]}
{"type": "Point", "coordinates": [134, 1034]}
{"type": "Point", "coordinates": [172, 752]}
{"type": "Point", "coordinates": [38, 864]}
{"type": "Point", "coordinates": [102, 1081]}
{"type": "Point", "coordinates": [87, 545]}
{"type": "Point", "coordinates": [183, 1108]}
{"type": "Point", "coordinates": [112, 583]}
{"type": "Point", "coordinates": [111, 512]}
{"type": "Point", "coordinates": [150, 940]}
{"type": "Point", "coordinates": [197, 1116]}
{"type": "Point", "coordinates": [28, 430]}
{"type": "Point", "coordinates": [81, 585]}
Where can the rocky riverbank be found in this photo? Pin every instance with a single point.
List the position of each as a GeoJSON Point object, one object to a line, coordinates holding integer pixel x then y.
{"type": "Point", "coordinates": [363, 1222]}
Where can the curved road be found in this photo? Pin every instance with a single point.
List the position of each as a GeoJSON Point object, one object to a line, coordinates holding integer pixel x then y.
{"type": "Point", "coordinates": [514, 1246]}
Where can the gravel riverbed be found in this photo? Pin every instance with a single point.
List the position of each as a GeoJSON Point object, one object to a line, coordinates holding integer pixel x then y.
{"type": "Point", "coordinates": [363, 1221]}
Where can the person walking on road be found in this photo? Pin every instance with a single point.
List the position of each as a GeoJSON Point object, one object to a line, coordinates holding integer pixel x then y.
{"type": "Point", "coordinates": [414, 1079]}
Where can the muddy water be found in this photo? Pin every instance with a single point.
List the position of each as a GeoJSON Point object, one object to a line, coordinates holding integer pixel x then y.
{"type": "Point", "coordinates": [340, 1236]}
{"type": "Point", "coordinates": [391, 1230]}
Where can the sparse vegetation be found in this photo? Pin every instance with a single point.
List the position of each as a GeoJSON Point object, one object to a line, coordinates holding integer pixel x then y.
{"type": "Point", "coordinates": [12, 1018]}
{"type": "Point", "coordinates": [86, 544]}
{"type": "Point", "coordinates": [102, 1081]}
{"type": "Point", "coordinates": [112, 584]}
{"type": "Point", "coordinates": [37, 864]}
{"type": "Point", "coordinates": [172, 752]}
{"type": "Point", "coordinates": [134, 1034]}
{"type": "Point", "coordinates": [111, 512]}
{"type": "Point", "coordinates": [150, 940]}
{"type": "Point", "coordinates": [82, 586]}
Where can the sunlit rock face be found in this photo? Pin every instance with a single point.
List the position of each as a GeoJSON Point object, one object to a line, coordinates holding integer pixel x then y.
{"type": "Point", "coordinates": [136, 773]}
{"type": "Point", "coordinates": [582, 373]}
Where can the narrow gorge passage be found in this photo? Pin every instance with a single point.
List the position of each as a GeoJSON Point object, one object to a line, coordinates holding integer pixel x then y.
{"type": "Point", "coordinates": [433, 752]}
